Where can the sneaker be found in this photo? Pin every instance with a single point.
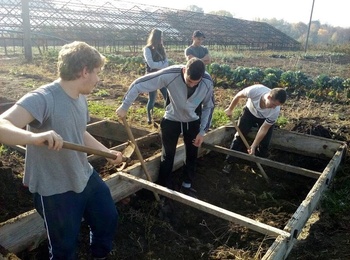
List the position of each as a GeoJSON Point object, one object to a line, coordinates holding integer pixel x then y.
{"type": "Point", "coordinates": [227, 168]}
{"type": "Point", "coordinates": [189, 192]}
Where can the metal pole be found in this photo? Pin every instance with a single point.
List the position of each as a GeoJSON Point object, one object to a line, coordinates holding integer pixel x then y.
{"type": "Point", "coordinates": [308, 31]}
{"type": "Point", "coordinates": [26, 31]}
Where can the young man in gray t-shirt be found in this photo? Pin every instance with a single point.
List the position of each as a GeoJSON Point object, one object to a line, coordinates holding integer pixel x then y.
{"type": "Point", "coordinates": [196, 49]}
{"type": "Point", "coordinates": [65, 186]}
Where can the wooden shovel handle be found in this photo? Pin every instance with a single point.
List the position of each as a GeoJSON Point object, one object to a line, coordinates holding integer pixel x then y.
{"type": "Point", "coordinates": [85, 149]}
{"type": "Point", "coordinates": [138, 153]}
{"type": "Point", "coordinates": [240, 133]}
{"type": "Point", "coordinates": [247, 146]}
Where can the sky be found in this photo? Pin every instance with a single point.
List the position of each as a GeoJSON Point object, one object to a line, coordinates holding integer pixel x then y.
{"type": "Point", "coordinates": [331, 12]}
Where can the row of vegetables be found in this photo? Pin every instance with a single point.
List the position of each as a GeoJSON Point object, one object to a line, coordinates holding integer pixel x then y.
{"type": "Point", "coordinates": [296, 82]}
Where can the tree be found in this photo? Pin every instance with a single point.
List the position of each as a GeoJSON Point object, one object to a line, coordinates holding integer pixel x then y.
{"type": "Point", "coordinates": [222, 13]}
{"type": "Point", "coordinates": [194, 8]}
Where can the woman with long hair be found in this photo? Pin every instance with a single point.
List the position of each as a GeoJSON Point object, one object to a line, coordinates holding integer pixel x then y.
{"type": "Point", "coordinates": [155, 58]}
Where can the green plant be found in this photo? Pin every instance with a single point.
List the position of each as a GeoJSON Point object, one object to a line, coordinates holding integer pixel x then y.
{"type": "Point", "coordinates": [336, 83]}
{"type": "Point", "coordinates": [219, 118]}
{"type": "Point", "coordinates": [254, 76]}
{"type": "Point", "coordinates": [101, 93]}
{"type": "Point", "coordinates": [322, 81]}
{"type": "Point", "coordinates": [288, 79]}
{"type": "Point", "coordinates": [275, 71]}
{"type": "Point", "coordinates": [101, 110]}
{"type": "Point", "coordinates": [239, 75]}
{"type": "Point", "coordinates": [337, 202]}
{"type": "Point", "coordinates": [3, 149]}
{"type": "Point", "coordinates": [282, 121]}
{"type": "Point", "coordinates": [270, 80]}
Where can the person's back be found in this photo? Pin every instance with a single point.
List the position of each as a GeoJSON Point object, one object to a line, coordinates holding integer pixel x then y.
{"type": "Point", "coordinates": [197, 50]}
{"type": "Point", "coordinates": [155, 59]}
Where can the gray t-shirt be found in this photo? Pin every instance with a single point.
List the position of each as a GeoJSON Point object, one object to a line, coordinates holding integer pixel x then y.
{"type": "Point", "coordinates": [197, 51]}
{"type": "Point", "coordinates": [50, 172]}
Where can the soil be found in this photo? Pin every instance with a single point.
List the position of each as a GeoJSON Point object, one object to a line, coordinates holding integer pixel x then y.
{"type": "Point", "coordinates": [146, 233]}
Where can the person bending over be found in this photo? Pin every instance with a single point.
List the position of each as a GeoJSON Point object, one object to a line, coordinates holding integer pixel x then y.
{"type": "Point", "coordinates": [262, 109]}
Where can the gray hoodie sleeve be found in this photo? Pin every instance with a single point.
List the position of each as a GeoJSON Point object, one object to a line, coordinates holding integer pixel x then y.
{"type": "Point", "coordinates": [144, 84]}
{"type": "Point", "coordinates": [208, 105]}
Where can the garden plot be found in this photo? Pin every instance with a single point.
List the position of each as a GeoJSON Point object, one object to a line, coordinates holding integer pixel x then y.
{"type": "Point", "coordinates": [27, 231]}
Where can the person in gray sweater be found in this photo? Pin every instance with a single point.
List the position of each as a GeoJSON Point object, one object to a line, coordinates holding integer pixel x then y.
{"type": "Point", "coordinates": [188, 112]}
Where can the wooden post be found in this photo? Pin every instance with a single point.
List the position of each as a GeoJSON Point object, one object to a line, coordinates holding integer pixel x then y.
{"type": "Point", "coordinates": [26, 31]}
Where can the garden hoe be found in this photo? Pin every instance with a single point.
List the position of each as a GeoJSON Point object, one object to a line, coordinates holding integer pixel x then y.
{"type": "Point", "coordinates": [247, 146]}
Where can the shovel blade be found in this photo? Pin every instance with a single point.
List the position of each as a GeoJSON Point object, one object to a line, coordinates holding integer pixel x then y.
{"type": "Point", "coordinates": [129, 150]}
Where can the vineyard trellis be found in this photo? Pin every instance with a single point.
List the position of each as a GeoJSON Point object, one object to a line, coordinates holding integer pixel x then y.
{"type": "Point", "coordinates": [119, 25]}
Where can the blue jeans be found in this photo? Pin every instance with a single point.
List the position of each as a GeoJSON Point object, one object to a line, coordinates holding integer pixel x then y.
{"type": "Point", "coordinates": [63, 213]}
{"type": "Point", "coordinates": [152, 96]}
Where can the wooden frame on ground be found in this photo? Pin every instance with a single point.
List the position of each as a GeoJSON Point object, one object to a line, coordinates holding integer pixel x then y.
{"type": "Point", "coordinates": [27, 230]}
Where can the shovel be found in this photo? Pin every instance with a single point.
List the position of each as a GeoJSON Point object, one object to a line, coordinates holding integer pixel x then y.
{"type": "Point", "coordinates": [247, 146]}
{"type": "Point", "coordinates": [139, 155]}
{"type": "Point", "coordinates": [85, 149]}
{"type": "Point", "coordinates": [127, 152]}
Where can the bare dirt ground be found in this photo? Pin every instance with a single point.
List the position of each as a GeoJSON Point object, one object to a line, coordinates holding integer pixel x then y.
{"type": "Point", "coordinates": [191, 234]}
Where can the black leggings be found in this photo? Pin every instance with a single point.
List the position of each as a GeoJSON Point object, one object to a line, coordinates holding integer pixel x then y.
{"type": "Point", "coordinates": [171, 131]}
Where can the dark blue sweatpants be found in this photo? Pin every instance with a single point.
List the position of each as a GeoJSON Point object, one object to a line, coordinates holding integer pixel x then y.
{"type": "Point", "coordinates": [63, 213]}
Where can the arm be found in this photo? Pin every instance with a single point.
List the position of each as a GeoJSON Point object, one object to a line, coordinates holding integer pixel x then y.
{"type": "Point", "coordinates": [259, 137]}
{"type": "Point", "coordinates": [91, 141]}
{"type": "Point", "coordinates": [206, 59]}
{"type": "Point", "coordinates": [147, 54]}
{"type": "Point", "coordinates": [12, 123]}
{"type": "Point", "coordinates": [144, 84]}
{"type": "Point", "coordinates": [208, 106]}
{"type": "Point", "coordinates": [234, 102]}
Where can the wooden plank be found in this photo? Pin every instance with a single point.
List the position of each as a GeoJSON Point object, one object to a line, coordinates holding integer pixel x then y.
{"type": "Point", "coordinates": [206, 207]}
{"type": "Point", "coordinates": [309, 145]}
{"type": "Point", "coordinates": [6, 255]}
{"type": "Point", "coordinates": [277, 165]}
{"type": "Point", "coordinates": [113, 130]}
{"type": "Point", "coordinates": [282, 247]}
{"type": "Point", "coordinates": [24, 230]}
